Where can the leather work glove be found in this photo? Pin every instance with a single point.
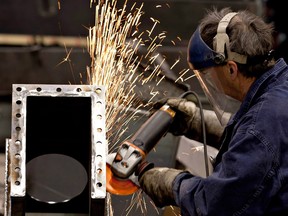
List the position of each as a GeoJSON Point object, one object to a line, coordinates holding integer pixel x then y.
{"type": "Point", "coordinates": [157, 183]}
{"type": "Point", "coordinates": [187, 121]}
{"type": "Point", "coordinates": [185, 113]}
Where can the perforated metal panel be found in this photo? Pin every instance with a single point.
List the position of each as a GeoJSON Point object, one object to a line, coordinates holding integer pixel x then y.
{"type": "Point", "coordinates": [56, 157]}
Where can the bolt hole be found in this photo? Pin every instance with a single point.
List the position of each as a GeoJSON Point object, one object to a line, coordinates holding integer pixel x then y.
{"type": "Point", "coordinates": [18, 128]}
{"type": "Point", "coordinates": [18, 89]}
{"type": "Point", "coordinates": [18, 102]}
{"type": "Point", "coordinates": [17, 183]}
{"type": "Point", "coordinates": [58, 89]}
{"type": "Point", "coordinates": [99, 184]}
{"type": "Point", "coordinates": [39, 89]}
{"type": "Point", "coordinates": [98, 90]}
{"type": "Point", "coordinates": [18, 115]}
{"type": "Point", "coordinates": [78, 89]}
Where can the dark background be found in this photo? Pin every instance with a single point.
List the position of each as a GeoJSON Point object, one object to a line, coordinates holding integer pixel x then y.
{"type": "Point", "coordinates": [35, 62]}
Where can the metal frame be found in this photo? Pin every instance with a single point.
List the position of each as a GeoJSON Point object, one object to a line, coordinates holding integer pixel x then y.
{"type": "Point", "coordinates": [15, 173]}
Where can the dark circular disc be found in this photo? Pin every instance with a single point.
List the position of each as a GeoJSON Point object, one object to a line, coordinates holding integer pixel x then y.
{"type": "Point", "coordinates": [55, 178]}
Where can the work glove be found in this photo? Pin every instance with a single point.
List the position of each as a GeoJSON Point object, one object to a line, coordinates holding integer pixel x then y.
{"type": "Point", "coordinates": [185, 114]}
{"type": "Point", "coordinates": [157, 183]}
{"type": "Point", "coordinates": [187, 120]}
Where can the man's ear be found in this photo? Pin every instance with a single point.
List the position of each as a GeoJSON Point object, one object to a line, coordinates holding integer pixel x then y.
{"type": "Point", "coordinates": [233, 69]}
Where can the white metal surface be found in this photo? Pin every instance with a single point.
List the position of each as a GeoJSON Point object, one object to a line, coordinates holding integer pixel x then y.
{"type": "Point", "coordinates": [190, 154]}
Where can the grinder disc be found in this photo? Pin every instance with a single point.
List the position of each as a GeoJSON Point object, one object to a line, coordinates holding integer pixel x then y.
{"type": "Point", "coordinates": [119, 186]}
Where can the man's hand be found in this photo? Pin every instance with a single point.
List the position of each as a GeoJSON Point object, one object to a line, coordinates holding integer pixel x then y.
{"type": "Point", "coordinates": [188, 121]}
{"type": "Point", "coordinates": [157, 183]}
{"type": "Point", "coordinates": [185, 113]}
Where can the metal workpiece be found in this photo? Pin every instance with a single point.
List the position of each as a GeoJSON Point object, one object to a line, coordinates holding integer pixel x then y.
{"type": "Point", "coordinates": [56, 156]}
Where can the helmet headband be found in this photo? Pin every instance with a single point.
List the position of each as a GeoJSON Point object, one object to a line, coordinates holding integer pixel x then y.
{"type": "Point", "coordinates": [200, 55]}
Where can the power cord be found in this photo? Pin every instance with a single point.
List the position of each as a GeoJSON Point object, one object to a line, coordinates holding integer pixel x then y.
{"type": "Point", "coordinates": [186, 96]}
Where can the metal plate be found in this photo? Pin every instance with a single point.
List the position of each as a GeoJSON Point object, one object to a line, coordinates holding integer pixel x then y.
{"type": "Point", "coordinates": [18, 168]}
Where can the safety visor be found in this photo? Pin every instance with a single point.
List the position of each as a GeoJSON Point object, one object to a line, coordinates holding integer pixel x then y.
{"type": "Point", "coordinates": [200, 55]}
{"type": "Point", "coordinates": [212, 87]}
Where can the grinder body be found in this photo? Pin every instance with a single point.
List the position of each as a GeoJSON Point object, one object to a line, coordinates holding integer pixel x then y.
{"type": "Point", "coordinates": [133, 151]}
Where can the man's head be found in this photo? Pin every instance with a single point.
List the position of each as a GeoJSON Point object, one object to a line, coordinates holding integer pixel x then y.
{"type": "Point", "coordinates": [248, 36]}
{"type": "Point", "coordinates": [227, 52]}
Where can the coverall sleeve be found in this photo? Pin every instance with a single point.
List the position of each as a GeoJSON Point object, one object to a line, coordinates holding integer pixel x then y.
{"type": "Point", "coordinates": [235, 182]}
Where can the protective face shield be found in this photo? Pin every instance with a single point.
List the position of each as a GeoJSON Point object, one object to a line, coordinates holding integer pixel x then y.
{"type": "Point", "coordinates": [203, 60]}
{"type": "Point", "coordinates": [213, 89]}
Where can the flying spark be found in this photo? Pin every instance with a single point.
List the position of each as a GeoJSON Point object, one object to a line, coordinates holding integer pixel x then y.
{"type": "Point", "coordinates": [113, 44]}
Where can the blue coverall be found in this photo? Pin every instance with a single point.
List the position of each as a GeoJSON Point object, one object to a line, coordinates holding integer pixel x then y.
{"type": "Point", "coordinates": [250, 174]}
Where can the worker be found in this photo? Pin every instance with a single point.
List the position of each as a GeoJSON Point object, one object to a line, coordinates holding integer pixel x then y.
{"type": "Point", "coordinates": [230, 53]}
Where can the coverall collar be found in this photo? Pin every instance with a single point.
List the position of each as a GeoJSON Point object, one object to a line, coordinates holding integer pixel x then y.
{"type": "Point", "coordinates": [255, 88]}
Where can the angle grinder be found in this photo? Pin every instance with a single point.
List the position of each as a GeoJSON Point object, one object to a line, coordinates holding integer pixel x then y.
{"type": "Point", "coordinates": [122, 166]}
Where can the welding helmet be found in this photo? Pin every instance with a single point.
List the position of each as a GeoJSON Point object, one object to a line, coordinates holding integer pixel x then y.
{"type": "Point", "coordinates": [203, 60]}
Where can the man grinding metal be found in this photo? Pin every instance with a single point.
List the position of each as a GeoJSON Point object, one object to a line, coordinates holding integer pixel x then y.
{"type": "Point", "coordinates": [230, 53]}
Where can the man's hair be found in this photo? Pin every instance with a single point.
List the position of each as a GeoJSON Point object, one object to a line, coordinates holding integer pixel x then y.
{"type": "Point", "coordinates": [248, 34]}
